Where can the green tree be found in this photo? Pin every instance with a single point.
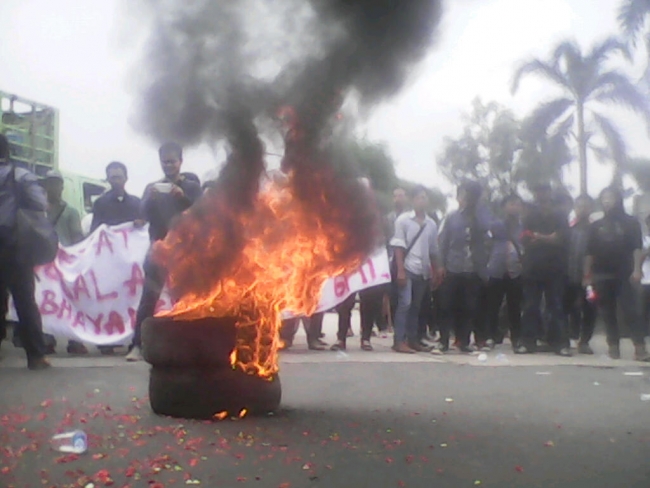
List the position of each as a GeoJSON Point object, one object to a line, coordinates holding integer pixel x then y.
{"type": "Point", "coordinates": [587, 84]}
{"type": "Point", "coordinates": [486, 151]}
{"type": "Point", "coordinates": [373, 161]}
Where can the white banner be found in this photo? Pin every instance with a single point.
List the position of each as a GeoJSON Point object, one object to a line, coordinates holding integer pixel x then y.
{"type": "Point", "coordinates": [92, 290]}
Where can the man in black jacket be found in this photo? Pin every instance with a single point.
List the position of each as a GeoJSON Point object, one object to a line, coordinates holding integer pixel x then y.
{"type": "Point", "coordinates": [163, 200]}
{"type": "Point", "coordinates": [613, 268]}
{"type": "Point", "coordinates": [20, 189]}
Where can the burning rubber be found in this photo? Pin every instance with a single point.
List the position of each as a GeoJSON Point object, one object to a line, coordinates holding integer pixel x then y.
{"type": "Point", "coordinates": [191, 372]}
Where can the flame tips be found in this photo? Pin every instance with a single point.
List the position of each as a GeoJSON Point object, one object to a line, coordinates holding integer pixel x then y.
{"type": "Point", "coordinates": [243, 413]}
{"type": "Point", "coordinates": [221, 415]}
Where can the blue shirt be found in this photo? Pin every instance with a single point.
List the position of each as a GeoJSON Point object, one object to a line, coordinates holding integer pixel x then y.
{"type": "Point", "coordinates": [505, 257]}
{"type": "Point", "coordinates": [463, 242]}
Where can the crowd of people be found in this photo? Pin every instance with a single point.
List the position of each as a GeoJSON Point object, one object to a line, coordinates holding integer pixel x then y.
{"type": "Point", "coordinates": [549, 264]}
{"type": "Point", "coordinates": [534, 273]}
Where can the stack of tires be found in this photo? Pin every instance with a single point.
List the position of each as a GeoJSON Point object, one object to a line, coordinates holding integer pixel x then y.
{"type": "Point", "coordinates": [191, 375]}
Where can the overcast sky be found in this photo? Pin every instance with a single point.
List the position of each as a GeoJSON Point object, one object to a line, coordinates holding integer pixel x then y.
{"type": "Point", "coordinates": [77, 54]}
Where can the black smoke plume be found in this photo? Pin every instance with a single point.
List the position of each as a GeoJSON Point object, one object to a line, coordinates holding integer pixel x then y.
{"type": "Point", "coordinates": [220, 70]}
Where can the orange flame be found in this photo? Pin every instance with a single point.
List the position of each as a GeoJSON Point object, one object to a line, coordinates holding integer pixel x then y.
{"type": "Point", "coordinates": [220, 415]}
{"type": "Point", "coordinates": [288, 256]}
{"type": "Point", "coordinates": [243, 413]}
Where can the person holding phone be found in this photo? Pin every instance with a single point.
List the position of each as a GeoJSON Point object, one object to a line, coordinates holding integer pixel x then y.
{"type": "Point", "coordinates": [163, 201]}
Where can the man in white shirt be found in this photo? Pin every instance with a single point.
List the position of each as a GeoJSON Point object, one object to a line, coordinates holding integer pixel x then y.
{"type": "Point", "coordinates": [416, 253]}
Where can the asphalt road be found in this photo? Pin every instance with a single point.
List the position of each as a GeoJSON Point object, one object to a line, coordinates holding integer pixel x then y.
{"type": "Point", "coordinates": [342, 424]}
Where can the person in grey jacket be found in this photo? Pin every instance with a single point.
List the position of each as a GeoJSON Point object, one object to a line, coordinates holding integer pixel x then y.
{"type": "Point", "coordinates": [19, 188]}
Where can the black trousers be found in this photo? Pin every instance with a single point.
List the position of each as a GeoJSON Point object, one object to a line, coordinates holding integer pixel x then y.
{"type": "Point", "coordinates": [370, 310]}
{"type": "Point", "coordinates": [614, 292]}
{"type": "Point", "coordinates": [511, 290]}
{"type": "Point", "coordinates": [580, 312]}
{"type": "Point", "coordinates": [313, 327]}
{"type": "Point", "coordinates": [18, 279]}
{"type": "Point", "coordinates": [371, 304]}
{"type": "Point", "coordinates": [551, 289]}
{"type": "Point", "coordinates": [459, 298]}
{"type": "Point", "coordinates": [154, 281]}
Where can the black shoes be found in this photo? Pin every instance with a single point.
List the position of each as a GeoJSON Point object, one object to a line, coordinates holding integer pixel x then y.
{"type": "Point", "coordinates": [38, 364]}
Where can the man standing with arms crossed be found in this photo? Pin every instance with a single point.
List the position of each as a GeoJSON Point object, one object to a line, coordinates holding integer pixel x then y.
{"type": "Point", "coordinates": [163, 200]}
{"type": "Point", "coordinates": [416, 254]}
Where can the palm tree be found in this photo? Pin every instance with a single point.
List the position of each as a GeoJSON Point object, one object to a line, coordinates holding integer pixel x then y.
{"type": "Point", "coordinates": [586, 83]}
{"type": "Point", "coordinates": [632, 16]}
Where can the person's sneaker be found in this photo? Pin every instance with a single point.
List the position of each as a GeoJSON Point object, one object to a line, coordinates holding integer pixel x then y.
{"type": "Point", "coordinates": [134, 355]}
{"type": "Point", "coordinates": [443, 348]}
{"type": "Point", "coordinates": [38, 364]}
{"type": "Point", "coordinates": [521, 349]}
{"type": "Point", "coordinates": [585, 349]}
{"type": "Point", "coordinates": [403, 348]}
{"type": "Point", "coordinates": [76, 348]}
{"type": "Point", "coordinates": [614, 352]}
{"type": "Point", "coordinates": [641, 353]}
{"type": "Point", "coordinates": [565, 352]}
{"type": "Point", "coordinates": [418, 347]}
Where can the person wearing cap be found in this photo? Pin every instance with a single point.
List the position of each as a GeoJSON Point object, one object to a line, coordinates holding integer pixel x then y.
{"type": "Point", "coordinates": [545, 239]}
{"type": "Point", "coordinates": [67, 223]}
{"type": "Point", "coordinates": [19, 188]}
{"type": "Point", "coordinates": [163, 201]}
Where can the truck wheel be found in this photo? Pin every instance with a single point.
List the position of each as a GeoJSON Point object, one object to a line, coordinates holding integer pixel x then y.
{"type": "Point", "coordinates": [201, 393]}
{"type": "Point", "coordinates": [199, 343]}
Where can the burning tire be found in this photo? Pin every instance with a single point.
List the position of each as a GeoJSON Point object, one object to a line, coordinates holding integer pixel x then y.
{"type": "Point", "coordinates": [179, 344]}
{"type": "Point", "coordinates": [204, 393]}
{"type": "Point", "coordinates": [191, 375]}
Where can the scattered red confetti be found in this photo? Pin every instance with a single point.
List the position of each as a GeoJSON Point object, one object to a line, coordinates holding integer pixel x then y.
{"type": "Point", "coordinates": [156, 485]}
{"type": "Point", "coordinates": [97, 457]}
{"type": "Point", "coordinates": [130, 472]}
{"type": "Point", "coordinates": [46, 403]}
{"type": "Point", "coordinates": [440, 470]}
{"type": "Point", "coordinates": [241, 478]}
{"type": "Point", "coordinates": [5, 470]}
{"type": "Point", "coordinates": [284, 485]}
{"type": "Point", "coordinates": [389, 460]}
{"type": "Point", "coordinates": [401, 484]}
{"type": "Point", "coordinates": [194, 462]}
{"type": "Point", "coordinates": [519, 469]}
{"type": "Point", "coordinates": [67, 459]}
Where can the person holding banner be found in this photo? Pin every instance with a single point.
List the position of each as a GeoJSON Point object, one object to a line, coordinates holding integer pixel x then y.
{"type": "Point", "coordinates": [19, 189]}
{"type": "Point", "coordinates": [163, 200]}
{"type": "Point", "coordinates": [416, 254]}
{"type": "Point", "coordinates": [116, 207]}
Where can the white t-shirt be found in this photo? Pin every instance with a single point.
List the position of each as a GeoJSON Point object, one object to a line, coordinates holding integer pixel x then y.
{"type": "Point", "coordinates": [646, 264]}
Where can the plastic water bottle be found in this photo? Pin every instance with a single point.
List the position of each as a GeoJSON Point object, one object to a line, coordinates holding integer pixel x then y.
{"type": "Point", "coordinates": [75, 442]}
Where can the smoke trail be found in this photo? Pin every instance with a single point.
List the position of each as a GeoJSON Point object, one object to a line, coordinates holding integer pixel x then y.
{"type": "Point", "coordinates": [219, 70]}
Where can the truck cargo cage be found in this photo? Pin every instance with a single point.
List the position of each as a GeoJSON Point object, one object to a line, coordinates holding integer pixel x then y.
{"type": "Point", "coordinates": [33, 132]}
